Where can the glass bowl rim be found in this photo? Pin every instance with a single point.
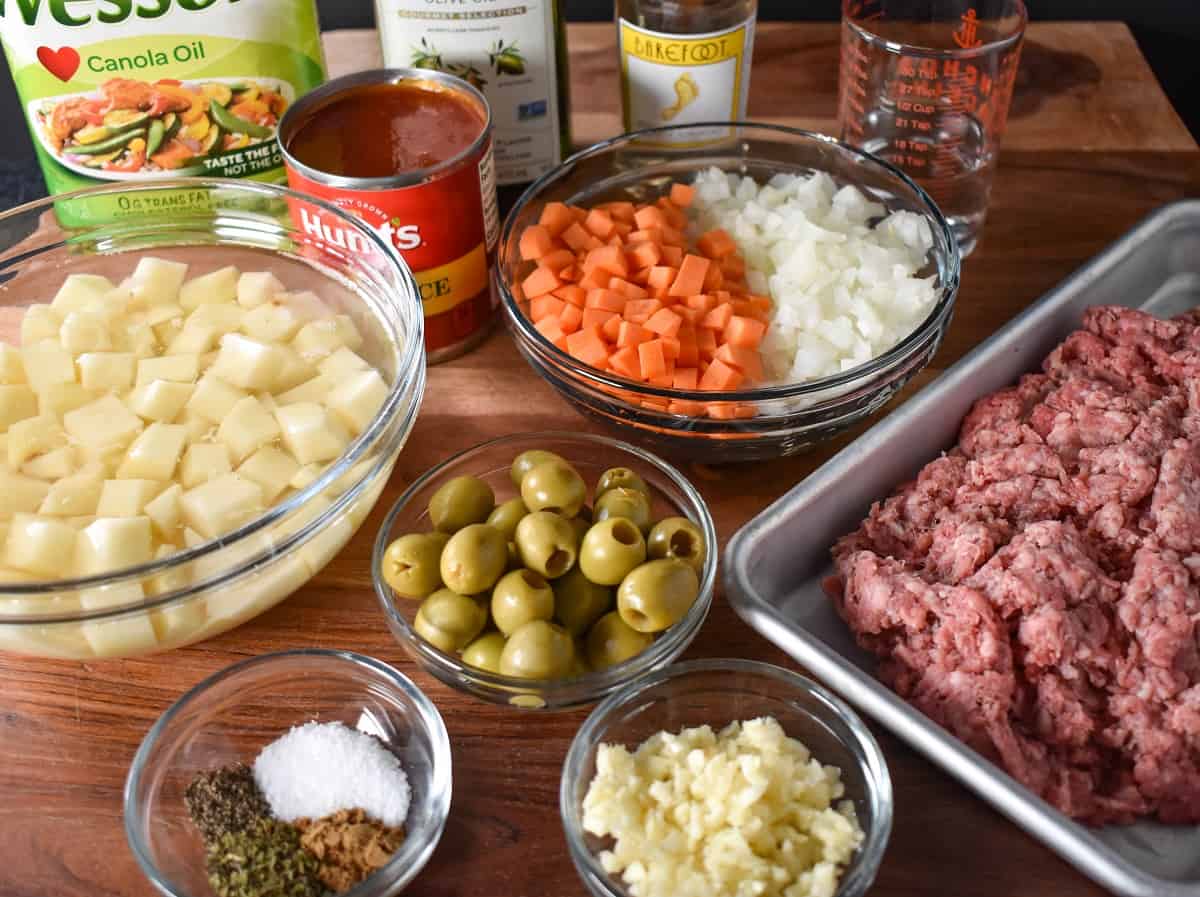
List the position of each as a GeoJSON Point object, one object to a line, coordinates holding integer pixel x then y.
{"type": "Point", "coordinates": [412, 855]}
{"type": "Point", "coordinates": [599, 379]}
{"type": "Point", "coordinates": [864, 865]}
{"type": "Point", "coordinates": [593, 682]}
{"type": "Point", "coordinates": [410, 376]}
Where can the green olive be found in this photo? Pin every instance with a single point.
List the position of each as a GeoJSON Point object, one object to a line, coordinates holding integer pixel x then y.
{"type": "Point", "coordinates": [449, 621]}
{"type": "Point", "coordinates": [474, 558]}
{"type": "Point", "coordinates": [537, 650]}
{"type": "Point", "coordinates": [411, 564]}
{"type": "Point", "coordinates": [658, 594]}
{"type": "Point", "coordinates": [627, 503]}
{"type": "Point", "coordinates": [677, 537]}
{"type": "Point", "coordinates": [554, 486]}
{"type": "Point", "coordinates": [484, 652]}
{"type": "Point", "coordinates": [579, 602]}
{"type": "Point", "coordinates": [461, 502]}
{"type": "Point", "coordinates": [527, 461]}
{"type": "Point", "coordinates": [518, 598]}
{"type": "Point", "coordinates": [580, 526]}
{"type": "Point", "coordinates": [620, 478]}
{"type": "Point", "coordinates": [611, 641]}
{"type": "Point", "coordinates": [610, 549]}
{"type": "Point", "coordinates": [514, 557]}
{"type": "Point", "coordinates": [506, 516]}
{"type": "Point", "coordinates": [546, 543]}
{"type": "Point", "coordinates": [579, 664]}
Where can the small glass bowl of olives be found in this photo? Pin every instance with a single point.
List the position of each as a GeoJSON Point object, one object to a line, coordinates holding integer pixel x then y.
{"type": "Point", "coordinates": [545, 570]}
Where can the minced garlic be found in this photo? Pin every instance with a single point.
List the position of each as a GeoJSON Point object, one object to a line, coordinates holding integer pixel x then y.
{"type": "Point", "coordinates": [746, 812]}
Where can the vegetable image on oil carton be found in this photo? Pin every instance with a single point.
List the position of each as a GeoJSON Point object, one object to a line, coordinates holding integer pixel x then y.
{"type": "Point", "coordinates": [133, 89]}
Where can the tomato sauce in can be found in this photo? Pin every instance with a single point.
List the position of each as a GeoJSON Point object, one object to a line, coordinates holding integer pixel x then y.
{"type": "Point", "coordinates": [410, 152]}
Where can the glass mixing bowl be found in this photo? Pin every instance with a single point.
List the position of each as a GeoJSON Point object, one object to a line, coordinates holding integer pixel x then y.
{"type": "Point", "coordinates": [232, 715]}
{"type": "Point", "coordinates": [763, 422]}
{"type": "Point", "coordinates": [591, 455]}
{"type": "Point", "coordinates": [208, 588]}
{"type": "Point", "coordinates": [715, 693]}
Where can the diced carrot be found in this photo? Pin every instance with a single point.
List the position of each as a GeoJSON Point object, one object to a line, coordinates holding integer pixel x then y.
{"type": "Point", "coordinates": [706, 343]}
{"type": "Point", "coordinates": [661, 405]}
{"type": "Point", "coordinates": [577, 238]}
{"type": "Point", "coordinates": [686, 408]}
{"type": "Point", "coordinates": [571, 273]}
{"type": "Point", "coordinates": [718, 318]}
{"type": "Point", "coordinates": [713, 279]}
{"type": "Point", "coordinates": [652, 359]}
{"type": "Point", "coordinates": [551, 329]}
{"type": "Point", "coordinates": [689, 351]}
{"type": "Point", "coordinates": [579, 212]}
{"type": "Point", "coordinates": [685, 378]}
{"type": "Point", "coordinates": [704, 302]}
{"type": "Point", "coordinates": [615, 240]}
{"type": "Point", "coordinates": [644, 255]}
{"type": "Point", "coordinates": [571, 318]}
{"type": "Point", "coordinates": [661, 276]}
{"type": "Point", "coordinates": [605, 299]}
{"type": "Point", "coordinates": [620, 210]}
{"type": "Point", "coordinates": [733, 267]}
{"type": "Point", "coordinates": [612, 328]}
{"type": "Point", "coordinates": [627, 289]}
{"type": "Point", "coordinates": [722, 296]}
{"type": "Point", "coordinates": [556, 218]}
{"type": "Point", "coordinates": [640, 310]}
{"type": "Point", "coordinates": [631, 334]}
{"type": "Point", "coordinates": [594, 279]}
{"type": "Point", "coordinates": [689, 315]}
{"type": "Point", "coordinates": [664, 380]}
{"type": "Point", "coordinates": [540, 281]}
{"type": "Point", "coordinates": [600, 223]}
{"type": "Point", "coordinates": [545, 306]}
{"type": "Point", "coordinates": [690, 279]}
{"type": "Point", "coordinates": [622, 228]}
{"type": "Point", "coordinates": [682, 194]}
{"type": "Point", "coordinates": [649, 216]}
{"type": "Point", "coordinates": [535, 242]}
{"type": "Point", "coordinates": [572, 294]}
{"type": "Point", "coordinates": [729, 410]}
{"type": "Point", "coordinates": [672, 255]}
{"type": "Point", "coordinates": [716, 244]}
{"type": "Point", "coordinates": [557, 259]}
{"type": "Point", "coordinates": [748, 361]}
{"type": "Point", "coordinates": [671, 347]}
{"type": "Point", "coordinates": [664, 322]}
{"type": "Point", "coordinates": [640, 276]}
{"type": "Point", "coordinates": [597, 317]}
{"type": "Point", "coordinates": [625, 362]}
{"type": "Point", "coordinates": [587, 345]}
{"type": "Point", "coordinates": [674, 237]}
{"type": "Point", "coordinates": [675, 216]}
{"type": "Point", "coordinates": [645, 235]}
{"type": "Point", "coordinates": [720, 376]}
{"type": "Point", "coordinates": [761, 303]}
{"type": "Point", "coordinates": [607, 258]}
{"type": "Point", "coordinates": [741, 331]}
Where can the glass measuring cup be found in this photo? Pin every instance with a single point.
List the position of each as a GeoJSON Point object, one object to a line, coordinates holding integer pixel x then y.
{"type": "Point", "coordinates": [926, 84]}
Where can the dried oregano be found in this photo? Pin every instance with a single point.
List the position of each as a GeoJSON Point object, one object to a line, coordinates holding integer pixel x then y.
{"type": "Point", "coordinates": [264, 860]}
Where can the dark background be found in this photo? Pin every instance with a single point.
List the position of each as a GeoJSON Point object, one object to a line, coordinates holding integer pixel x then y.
{"type": "Point", "coordinates": [1168, 32]}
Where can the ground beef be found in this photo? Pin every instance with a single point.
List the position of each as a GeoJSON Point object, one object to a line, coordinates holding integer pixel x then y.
{"type": "Point", "coordinates": [1036, 590]}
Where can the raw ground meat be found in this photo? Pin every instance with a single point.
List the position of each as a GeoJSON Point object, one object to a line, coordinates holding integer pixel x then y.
{"type": "Point", "coordinates": [1036, 590]}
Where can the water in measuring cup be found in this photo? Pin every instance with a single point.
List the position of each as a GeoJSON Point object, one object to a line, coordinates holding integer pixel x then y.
{"type": "Point", "coordinates": [923, 97]}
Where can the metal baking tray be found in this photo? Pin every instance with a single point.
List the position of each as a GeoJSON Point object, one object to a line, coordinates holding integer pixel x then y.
{"type": "Point", "coordinates": [774, 566]}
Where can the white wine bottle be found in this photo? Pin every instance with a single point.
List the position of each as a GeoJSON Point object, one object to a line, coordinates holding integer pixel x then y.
{"type": "Point", "coordinates": [514, 52]}
{"type": "Point", "coordinates": [684, 61]}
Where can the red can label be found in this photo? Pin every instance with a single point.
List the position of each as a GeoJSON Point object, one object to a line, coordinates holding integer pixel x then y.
{"type": "Point", "coordinates": [445, 229]}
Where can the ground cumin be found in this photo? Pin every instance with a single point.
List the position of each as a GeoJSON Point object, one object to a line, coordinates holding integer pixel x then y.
{"type": "Point", "coordinates": [349, 845]}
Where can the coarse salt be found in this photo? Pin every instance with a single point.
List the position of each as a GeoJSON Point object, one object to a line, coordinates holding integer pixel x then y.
{"type": "Point", "coordinates": [316, 769]}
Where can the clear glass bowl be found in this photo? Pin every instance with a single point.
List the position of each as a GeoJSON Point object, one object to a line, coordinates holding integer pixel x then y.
{"type": "Point", "coordinates": [207, 589]}
{"type": "Point", "coordinates": [591, 455]}
{"type": "Point", "coordinates": [715, 693]}
{"type": "Point", "coordinates": [232, 715]}
{"type": "Point", "coordinates": [764, 422]}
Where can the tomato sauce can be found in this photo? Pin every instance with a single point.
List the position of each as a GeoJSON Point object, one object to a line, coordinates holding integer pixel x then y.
{"type": "Point", "coordinates": [440, 217]}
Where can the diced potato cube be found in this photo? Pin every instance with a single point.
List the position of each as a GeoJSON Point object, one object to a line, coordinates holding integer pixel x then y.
{"type": "Point", "coordinates": [113, 543]}
{"type": "Point", "coordinates": [160, 399]}
{"type": "Point", "coordinates": [272, 323]}
{"type": "Point", "coordinates": [12, 369]}
{"type": "Point", "coordinates": [202, 462]}
{"type": "Point", "coordinates": [32, 437]}
{"type": "Point", "coordinates": [171, 580]}
{"type": "Point", "coordinates": [256, 287]}
{"type": "Point", "coordinates": [103, 424]}
{"type": "Point", "coordinates": [41, 545]}
{"type": "Point", "coordinates": [162, 314]}
{"type": "Point", "coordinates": [47, 363]}
{"type": "Point", "coordinates": [306, 476]}
{"type": "Point", "coordinates": [75, 495]}
{"type": "Point", "coordinates": [199, 429]}
{"type": "Point", "coordinates": [249, 363]}
{"type": "Point", "coordinates": [312, 390]}
{"type": "Point", "coordinates": [39, 323]}
{"type": "Point", "coordinates": [165, 512]}
{"type": "Point", "coordinates": [79, 522]}
{"type": "Point", "coordinates": [21, 493]}
{"type": "Point", "coordinates": [214, 398]}
{"type": "Point", "coordinates": [272, 469]}
{"type": "Point", "coordinates": [154, 454]}
{"type": "Point", "coordinates": [248, 426]}
{"type": "Point", "coordinates": [123, 636]}
{"type": "Point", "coordinates": [107, 371]}
{"type": "Point", "coordinates": [156, 281]}
{"type": "Point", "coordinates": [138, 338]}
{"type": "Point", "coordinates": [54, 465]}
{"type": "Point", "coordinates": [310, 433]}
{"type": "Point", "coordinates": [126, 498]}
{"type": "Point", "coordinates": [196, 338]}
{"type": "Point", "coordinates": [17, 402]}
{"type": "Point", "coordinates": [168, 331]}
{"type": "Point", "coordinates": [295, 370]}
{"type": "Point", "coordinates": [342, 362]}
{"type": "Point", "coordinates": [327, 335]}
{"type": "Point", "coordinates": [216, 286]}
{"type": "Point", "coordinates": [356, 400]}
{"type": "Point", "coordinates": [84, 331]}
{"type": "Point", "coordinates": [191, 538]}
{"type": "Point", "coordinates": [176, 368]}
{"type": "Point", "coordinates": [224, 317]}
{"type": "Point", "coordinates": [59, 398]}
{"type": "Point", "coordinates": [78, 290]}
{"type": "Point", "coordinates": [221, 505]}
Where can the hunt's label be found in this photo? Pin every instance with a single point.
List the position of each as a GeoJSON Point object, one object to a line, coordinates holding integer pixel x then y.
{"type": "Point", "coordinates": [680, 79]}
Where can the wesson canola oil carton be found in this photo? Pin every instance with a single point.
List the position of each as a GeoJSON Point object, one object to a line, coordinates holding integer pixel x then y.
{"type": "Point", "coordinates": [125, 90]}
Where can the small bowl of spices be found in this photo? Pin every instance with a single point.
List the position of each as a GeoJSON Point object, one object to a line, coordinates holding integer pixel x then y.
{"type": "Point", "coordinates": [308, 773]}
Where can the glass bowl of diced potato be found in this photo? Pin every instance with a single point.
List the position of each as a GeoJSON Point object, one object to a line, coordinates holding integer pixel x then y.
{"type": "Point", "coordinates": [201, 400]}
